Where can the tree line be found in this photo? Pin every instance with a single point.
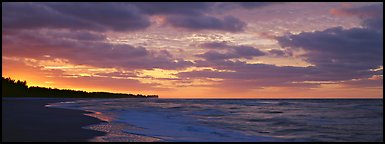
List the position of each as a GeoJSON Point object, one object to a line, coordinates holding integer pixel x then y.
{"type": "Point", "coordinates": [13, 88]}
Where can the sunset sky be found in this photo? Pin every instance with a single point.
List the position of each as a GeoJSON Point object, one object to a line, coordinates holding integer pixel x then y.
{"type": "Point", "coordinates": [198, 50]}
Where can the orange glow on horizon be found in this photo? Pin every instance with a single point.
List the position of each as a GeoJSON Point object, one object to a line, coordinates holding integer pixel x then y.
{"type": "Point", "coordinates": [38, 77]}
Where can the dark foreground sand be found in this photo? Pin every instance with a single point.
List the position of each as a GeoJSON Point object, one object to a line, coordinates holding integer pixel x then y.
{"type": "Point", "coordinates": [28, 120]}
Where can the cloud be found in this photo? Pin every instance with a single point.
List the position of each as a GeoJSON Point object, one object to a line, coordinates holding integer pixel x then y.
{"type": "Point", "coordinates": [203, 22]}
{"type": "Point", "coordinates": [252, 76]}
{"type": "Point", "coordinates": [336, 55]}
{"type": "Point", "coordinates": [227, 6]}
{"type": "Point", "coordinates": [341, 52]}
{"type": "Point", "coordinates": [118, 17]}
{"type": "Point", "coordinates": [117, 74]}
{"type": "Point", "coordinates": [280, 53]}
{"type": "Point", "coordinates": [215, 45]}
{"type": "Point", "coordinates": [239, 70]}
{"type": "Point", "coordinates": [371, 15]}
{"type": "Point", "coordinates": [213, 55]}
{"type": "Point", "coordinates": [36, 15]}
{"type": "Point", "coordinates": [364, 83]}
{"type": "Point", "coordinates": [90, 49]}
{"type": "Point", "coordinates": [196, 15]}
{"type": "Point", "coordinates": [75, 31]}
{"type": "Point", "coordinates": [231, 51]}
{"type": "Point", "coordinates": [195, 8]}
{"type": "Point", "coordinates": [172, 8]}
{"type": "Point", "coordinates": [248, 52]}
{"type": "Point", "coordinates": [251, 5]}
{"type": "Point", "coordinates": [363, 12]}
{"type": "Point", "coordinates": [242, 76]}
{"type": "Point", "coordinates": [78, 35]}
{"type": "Point", "coordinates": [19, 69]}
{"type": "Point", "coordinates": [114, 16]}
{"type": "Point", "coordinates": [74, 16]}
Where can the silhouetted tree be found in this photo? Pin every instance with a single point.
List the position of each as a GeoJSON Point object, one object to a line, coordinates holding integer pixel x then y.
{"type": "Point", "coordinates": [12, 88]}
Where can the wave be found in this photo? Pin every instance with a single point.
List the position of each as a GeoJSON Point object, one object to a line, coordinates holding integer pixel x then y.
{"type": "Point", "coordinates": [236, 120]}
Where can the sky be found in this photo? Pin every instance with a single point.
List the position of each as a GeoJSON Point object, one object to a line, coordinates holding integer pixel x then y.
{"type": "Point", "coordinates": [198, 49]}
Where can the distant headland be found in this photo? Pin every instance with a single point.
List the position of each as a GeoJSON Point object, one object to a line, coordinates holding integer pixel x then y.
{"type": "Point", "coordinates": [13, 88]}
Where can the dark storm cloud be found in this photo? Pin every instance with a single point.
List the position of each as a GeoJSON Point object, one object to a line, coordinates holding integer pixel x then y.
{"type": "Point", "coordinates": [226, 6]}
{"type": "Point", "coordinates": [114, 16]}
{"type": "Point", "coordinates": [340, 51]}
{"type": "Point", "coordinates": [193, 15]}
{"type": "Point", "coordinates": [129, 16]}
{"type": "Point", "coordinates": [75, 16]}
{"type": "Point", "coordinates": [36, 15]}
{"type": "Point", "coordinates": [203, 22]}
{"type": "Point", "coordinates": [231, 51]}
{"type": "Point", "coordinates": [250, 5]}
{"type": "Point", "coordinates": [375, 23]}
{"type": "Point", "coordinates": [173, 8]}
{"type": "Point", "coordinates": [195, 8]}
{"type": "Point", "coordinates": [248, 52]}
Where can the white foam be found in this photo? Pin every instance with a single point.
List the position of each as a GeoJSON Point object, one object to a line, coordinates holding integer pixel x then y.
{"type": "Point", "coordinates": [174, 127]}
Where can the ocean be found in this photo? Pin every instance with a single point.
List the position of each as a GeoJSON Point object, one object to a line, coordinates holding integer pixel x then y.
{"type": "Point", "coordinates": [234, 120]}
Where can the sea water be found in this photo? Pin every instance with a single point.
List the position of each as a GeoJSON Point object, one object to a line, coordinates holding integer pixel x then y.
{"type": "Point", "coordinates": [232, 120]}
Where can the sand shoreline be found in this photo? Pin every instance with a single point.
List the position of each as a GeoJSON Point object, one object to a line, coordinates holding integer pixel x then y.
{"type": "Point", "coordinates": [28, 120]}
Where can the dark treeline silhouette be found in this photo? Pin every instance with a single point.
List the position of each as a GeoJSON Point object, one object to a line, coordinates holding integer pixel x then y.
{"type": "Point", "coordinates": [12, 88]}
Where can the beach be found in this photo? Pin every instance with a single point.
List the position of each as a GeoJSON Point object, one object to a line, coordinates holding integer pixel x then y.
{"type": "Point", "coordinates": [28, 120]}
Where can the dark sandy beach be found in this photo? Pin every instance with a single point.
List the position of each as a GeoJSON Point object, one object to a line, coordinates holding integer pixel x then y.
{"type": "Point", "coordinates": [27, 120]}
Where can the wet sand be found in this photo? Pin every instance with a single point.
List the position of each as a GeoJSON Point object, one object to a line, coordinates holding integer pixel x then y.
{"type": "Point", "coordinates": [28, 120]}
